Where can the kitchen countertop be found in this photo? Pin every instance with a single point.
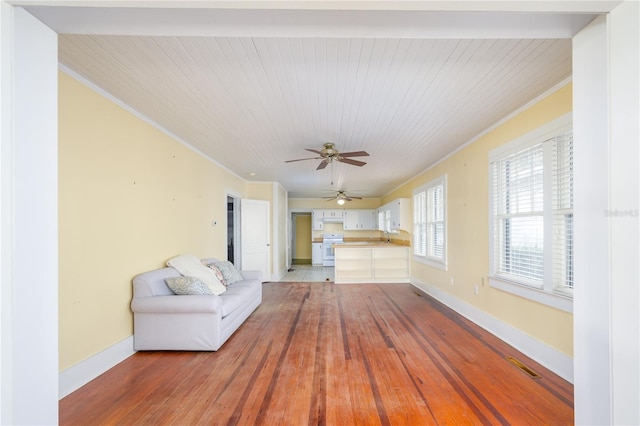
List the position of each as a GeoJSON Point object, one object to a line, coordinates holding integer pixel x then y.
{"type": "Point", "coordinates": [370, 244]}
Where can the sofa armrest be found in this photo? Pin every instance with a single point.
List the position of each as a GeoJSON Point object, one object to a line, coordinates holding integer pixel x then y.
{"type": "Point", "coordinates": [252, 275]}
{"type": "Point", "coordinates": [183, 304]}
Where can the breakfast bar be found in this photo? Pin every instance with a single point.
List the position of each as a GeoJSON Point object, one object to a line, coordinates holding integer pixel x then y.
{"type": "Point", "coordinates": [371, 262]}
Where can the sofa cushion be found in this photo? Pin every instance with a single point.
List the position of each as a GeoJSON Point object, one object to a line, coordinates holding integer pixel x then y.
{"type": "Point", "coordinates": [187, 285]}
{"type": "Point", "coordinates": [218, 273]}
{"type": "Point", "coordinates": [189, 265]}
{"type": "Point", "coordinates": [237, 295]}
{"type": "Point", "coordinates": [229, 272]}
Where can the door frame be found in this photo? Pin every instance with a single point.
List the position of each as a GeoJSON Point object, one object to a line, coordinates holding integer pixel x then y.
{"type": "Point", "coordinates": [291, 232]}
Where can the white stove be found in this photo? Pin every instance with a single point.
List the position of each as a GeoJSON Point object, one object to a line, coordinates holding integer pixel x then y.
{"type": "Point", "coordinates": [328, 254]}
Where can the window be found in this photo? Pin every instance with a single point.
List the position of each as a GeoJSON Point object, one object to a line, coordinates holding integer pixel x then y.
{"type": "Point", "coordinates": [531, 213]}
{"type": "Point", "coordinates": [429, 223]}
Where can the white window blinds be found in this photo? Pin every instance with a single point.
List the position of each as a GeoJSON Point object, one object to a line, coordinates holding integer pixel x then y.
{"type": "Point", "coordinates": [518, 216]}
{"type": "Point", "coordinates": [435, 221]}
{"type": "Point", "coordinates": [420, 224]}
{"type": "Point", "coordinates": [562, 190]}
{"type": "Point", "coordinates": [532, 213]}
{"type": "Point", "coordinates": [429, 222]}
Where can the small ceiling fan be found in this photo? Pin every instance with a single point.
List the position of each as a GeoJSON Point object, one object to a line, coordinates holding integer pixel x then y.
{"type": "Point", "coordinates": [342, 197]}
{"type": "Point", "coordinates": [329, 153]}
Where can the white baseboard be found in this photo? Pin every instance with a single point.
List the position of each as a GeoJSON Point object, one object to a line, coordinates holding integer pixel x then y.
{"type": "Point", "coordinates": [550, 358]}
{"type": "Point", "coordinates": [82, 373]}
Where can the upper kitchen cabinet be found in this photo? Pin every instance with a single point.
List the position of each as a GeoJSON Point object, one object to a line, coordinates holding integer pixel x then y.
{"type": "Point", "coordinates": [317, 220]}
{"type": "Point", "coordinates": [320, 216]}
{"type": "Point", "coordinates": [360, 220]}
{"type": "Point", "coordinates": [395, 215]}
{"type": "Point", "coordinates": [333, 214]}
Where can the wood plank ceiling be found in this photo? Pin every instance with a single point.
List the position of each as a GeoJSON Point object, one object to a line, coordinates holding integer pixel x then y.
{"type": "Point", "coordinates": [250, 102]}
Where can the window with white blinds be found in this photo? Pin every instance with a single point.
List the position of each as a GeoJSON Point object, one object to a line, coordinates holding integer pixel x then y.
{"type": "Point", "coordinates": [562, 187]}
{"type": "Point", "coordinates": [420, 223]}
{"type": "Point", "coordinates": [429, 222]}
{"type": "Point", "coordinates": [531, 213]}
{"type": "Point", "coordinates": [518, 216]}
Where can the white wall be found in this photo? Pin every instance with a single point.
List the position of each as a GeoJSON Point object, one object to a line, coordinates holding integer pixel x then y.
{"type": "Point", "coordinates": [606, 298]}
{"type": "Point", "coordinates": [29, 257]}
{"type": "Point", "coordinates": [624, 154]}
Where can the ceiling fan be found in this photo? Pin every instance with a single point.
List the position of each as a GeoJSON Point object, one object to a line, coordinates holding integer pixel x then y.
{"type": "Point", "coordinates": [329, 153]}
{"type": "Point", "coordinates": [342, 197]}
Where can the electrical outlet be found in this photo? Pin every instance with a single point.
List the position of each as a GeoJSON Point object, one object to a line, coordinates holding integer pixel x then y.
{"type": "Point", "coordinates": [483, 282]}
{"type": "Point", "coordinates": [475, 289]}
{"type": "Point", "coordinates": [451, 280]}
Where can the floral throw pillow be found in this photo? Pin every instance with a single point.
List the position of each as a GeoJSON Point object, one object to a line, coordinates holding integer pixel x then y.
{"type": "Point", "coordinates": [218, 273]}
{"type": "Point", "coordinates": [187, 285]}
{"type": "Point", "coordinates": [229, 272]}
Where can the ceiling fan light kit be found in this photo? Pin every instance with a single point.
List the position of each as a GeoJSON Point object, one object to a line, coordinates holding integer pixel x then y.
{"type": "Point", "coordinates": [342, 198]}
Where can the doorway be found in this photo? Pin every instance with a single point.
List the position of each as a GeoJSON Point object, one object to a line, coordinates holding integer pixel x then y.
{"type": "Point", "coordinates": [231, 229]}
{"type": "Point", "coordinates": [301, 237]}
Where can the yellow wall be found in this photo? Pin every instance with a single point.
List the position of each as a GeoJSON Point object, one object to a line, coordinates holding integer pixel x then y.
{"type": "Point", "coordinates": [260, 191]}
{"type": "Point", "coordinates": [130, 198]}
{"type": "Point", "coordinates": [303, 237]}
{"type": "Point", "coordinates": [468, 229]}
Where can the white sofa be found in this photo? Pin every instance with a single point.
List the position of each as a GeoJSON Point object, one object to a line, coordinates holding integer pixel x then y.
{"type": "Point", "coordinates": [163, 320]}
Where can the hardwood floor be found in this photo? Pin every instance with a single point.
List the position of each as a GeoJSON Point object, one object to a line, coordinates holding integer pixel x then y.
{"type": "Point", "coordinates": [325, 354]}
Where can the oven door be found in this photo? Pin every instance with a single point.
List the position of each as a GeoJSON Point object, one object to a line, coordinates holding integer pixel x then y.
{"type": "Point", "coordinates": [328, 253]}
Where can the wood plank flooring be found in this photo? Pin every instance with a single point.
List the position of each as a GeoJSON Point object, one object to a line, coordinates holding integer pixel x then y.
{"type": "Point", "coordinates": [323, 354]}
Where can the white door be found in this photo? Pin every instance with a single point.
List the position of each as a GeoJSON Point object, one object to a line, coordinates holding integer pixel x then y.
{"type": "Point", "coordinates": [256, 239]}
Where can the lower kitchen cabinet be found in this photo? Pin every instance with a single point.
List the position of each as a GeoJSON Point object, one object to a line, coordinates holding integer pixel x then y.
{"type": "Point", "coordinates": [372, 264]}
{"type": "Point", "coordinates": [316, 253]}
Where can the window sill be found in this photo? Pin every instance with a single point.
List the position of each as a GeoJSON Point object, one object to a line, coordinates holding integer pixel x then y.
{"type": "Point", "coordinates": [554, 300]}
{"type": "Point", "coordinates": [430, 262]}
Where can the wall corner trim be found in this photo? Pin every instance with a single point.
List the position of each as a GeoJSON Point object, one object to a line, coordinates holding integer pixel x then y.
{"type": "Point", "coordinates": [82, 373]}
{"type": "Point", "coordinates": [556, 361]}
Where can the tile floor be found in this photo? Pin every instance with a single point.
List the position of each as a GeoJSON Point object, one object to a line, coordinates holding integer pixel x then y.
{"type": "Point", "coordinates": [308, 273]}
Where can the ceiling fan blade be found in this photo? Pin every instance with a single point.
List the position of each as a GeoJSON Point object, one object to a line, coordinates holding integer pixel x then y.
{"type": "Point", "coordinates": [302, 159]}
{"type": "Point", "coordinates": [354, 154]}
{"type": "Point", "coordinates": [352, 162]}
{"type": "Point", "coordinates": [314, 151]}
{"type": "Point", "coordinates": [355, 198]}
{"type": "Point", "coordinates": [322, 165]}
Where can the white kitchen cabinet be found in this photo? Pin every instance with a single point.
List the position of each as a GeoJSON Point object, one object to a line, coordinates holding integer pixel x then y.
{"type": "Point", "coordinates": [333, 214]}
{"type": "Point", "coordinates": [395, 215]}
{"type": "Point", "coordinates": [316, 253]}
{"type": "Point", "coordinates": [317, 220]}
{"type": "Point", "coordinates": [384, 219]}
{"type": "Point", "coordinates": [400, 214]}
{"type": "Point", "coordinates": [360, 220]}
